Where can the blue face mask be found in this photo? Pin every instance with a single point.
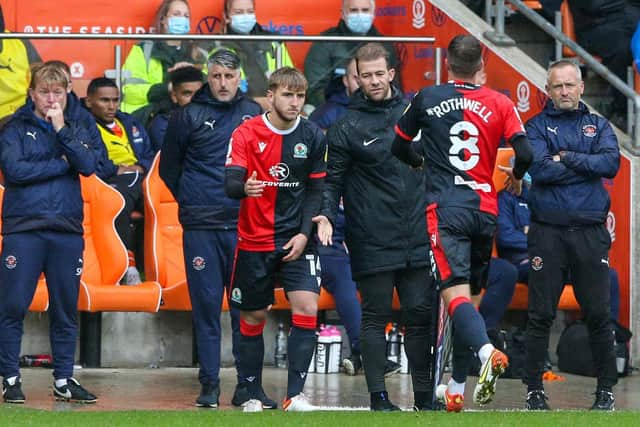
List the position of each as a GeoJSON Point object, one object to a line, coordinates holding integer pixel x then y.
{"type": "Point", "coordinates": [359, 23]}
{"type": "Point", "coordinates": [243, 23]}
{"type": "Point", "coordinates": [178, 25]}
{"type": "Point", "coordinates": [527, 178]}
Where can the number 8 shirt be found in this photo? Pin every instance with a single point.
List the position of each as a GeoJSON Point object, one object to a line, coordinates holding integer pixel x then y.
{"type": "Point", "coordinates": [461, 127]}
{"type": "Point", "coordinates": [286, 161]}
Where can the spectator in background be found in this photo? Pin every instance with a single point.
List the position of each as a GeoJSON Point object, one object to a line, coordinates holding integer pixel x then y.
{"type": "Point", "coordinates": [192, 166]}
{"type": "Point", "coordinates": [15, 58]}
{"type": "Point", "coordinates": [574, 150]}
{"type": "Point", "coordinates": [129, 149]}
{"type": "Point", "coordinates": [342, 86]}
{"type": "Point", "coordinates": [184, 83]}
{"type": "Point", "coordinates": [150, 62]}
{"type": "Point", "coordinates": [605, 28]}
{"type": "Point", "coordinates": [258, 58]}
{"type": "Point", "coordinates": [42, 153]}
{"type": "Point", "coordinates": [326, 59]}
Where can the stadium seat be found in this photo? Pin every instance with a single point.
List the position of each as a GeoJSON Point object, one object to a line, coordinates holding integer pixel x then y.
{"type": "Point", "coordinates": [40, 301]}
{"type": "Point", "coordinates": [105, 256]}
{"type": "Point", "coordinates": [163, 256]}
{"type": "Point", "coordinates": [569, 30]}
{"type": "Point", "coordinates": [521, 295]}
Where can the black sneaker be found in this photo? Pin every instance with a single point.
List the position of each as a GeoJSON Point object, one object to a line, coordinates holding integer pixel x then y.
{"type": "Point", "coordinates": [380, 402]}
{"type": "Point", "coordinates": [73, 392]}
{"type": "Point", "coordinates": [13, 393]}
{"type": "Point", "coordinates": [352, 364]}
{"type": "Point", "coordinates": [241, 397]}
{"type": "Point", "coordinates": [604, 401]}
{"type": "Point", "coordinates": [537, 401]}
{"type": "Point", "coordinates": [391, 368]}
{"type": "Point", "coordinates": [208, 396]}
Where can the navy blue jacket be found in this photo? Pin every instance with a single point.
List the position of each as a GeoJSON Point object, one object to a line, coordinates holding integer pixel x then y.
{"type": "Point", "coordinates": [42, 190]}
{"type": "Point", "coordinates": [513, 217]}
{"type": "Point", "coordinates": [157, 129]}
{"type": "Point", "coordinates": [332, 109]}
{"type": "Point", "coordinates": [76, 111]}
{"type": "Point", "coordinates": [193, 157]}
{"type": "Point", "coordinates": [570, 192]}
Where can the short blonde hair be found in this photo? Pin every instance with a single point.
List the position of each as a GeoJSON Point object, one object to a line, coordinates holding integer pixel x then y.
{"type": "Point", "coordinates": [288, 77]}
{"type": "Point", "coordinates": [48, 73]}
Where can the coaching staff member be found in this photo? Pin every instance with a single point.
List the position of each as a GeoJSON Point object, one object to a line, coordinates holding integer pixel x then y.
{"type": "Point", "coordinates": [573, 150]}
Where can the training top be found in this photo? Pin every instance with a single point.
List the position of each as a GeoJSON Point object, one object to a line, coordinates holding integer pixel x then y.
{"type": "Point", "coordinates": [286, 161]}
{"type": "Point", "coordinates": [461, 126]}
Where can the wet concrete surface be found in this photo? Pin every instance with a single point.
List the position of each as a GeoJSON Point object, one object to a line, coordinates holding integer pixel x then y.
{"type": "Point", "coordinates": [177, 388]}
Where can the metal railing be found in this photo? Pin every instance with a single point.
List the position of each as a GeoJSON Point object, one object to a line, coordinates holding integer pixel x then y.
{"type": "Point", "coordinates": [633, 104]}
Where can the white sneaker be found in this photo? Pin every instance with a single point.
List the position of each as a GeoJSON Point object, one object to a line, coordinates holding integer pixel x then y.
{"type": "Point", "coordinates": [132, 277]}
{"type": "Point", "coordinates": [299, 403]}
{"type": "Point", "coordinates": [252, 405]}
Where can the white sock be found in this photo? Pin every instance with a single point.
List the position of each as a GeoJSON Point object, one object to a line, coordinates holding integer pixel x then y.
{"type": "Point", "coordinates": [12, 380]}
{"type": "Point", "coordinates": [455, 387]}
{"type": "Point", "coordinates": [60, 383]}
{"type": "Point", "coordinates": [485, 352]}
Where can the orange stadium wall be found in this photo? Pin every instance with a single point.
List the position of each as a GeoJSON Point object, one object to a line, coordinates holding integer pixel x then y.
{"type": "Point", "coordinates": [90, 59]}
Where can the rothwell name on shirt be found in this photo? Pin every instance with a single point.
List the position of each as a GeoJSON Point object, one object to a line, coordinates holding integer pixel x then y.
{"type": "Point", "coordinates": [460, 103]}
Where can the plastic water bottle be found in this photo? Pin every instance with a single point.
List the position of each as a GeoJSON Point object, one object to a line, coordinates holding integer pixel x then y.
{"type": "Point", "coordinates": [335, 350]}
{"type": "Point", "coordinates": [281, 347]}
{"type": "Point", "coordinates": [322, 350]}
{"type": "Point", "coordinates": [393, 343]}
{"type": "Point", "coordinates": [37, 360]}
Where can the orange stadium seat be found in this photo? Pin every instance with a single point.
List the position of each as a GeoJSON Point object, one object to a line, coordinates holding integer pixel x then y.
{"type": "Point", "coordinates": [105, 256]}
{"type": "Point", "coordinates": [163, 256]}
{"type": "Point", "coordinates": [521, 295]}
{"type": "Point", "coordinates": [568, 30]}
{"type": "Point", "coordinates": [40, 301]}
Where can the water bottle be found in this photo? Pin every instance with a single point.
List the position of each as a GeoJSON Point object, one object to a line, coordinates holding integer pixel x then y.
{"type": "Point", "coordinates": [281, 347]}
{"type": "Point", "coordinates": [393, 343]}
{"type": "Point", "coordinates": [322, 350]}
{"type": "Point", "coordinates": [36, 360]}
{"type": "Point", "coordinates": [335, 350]}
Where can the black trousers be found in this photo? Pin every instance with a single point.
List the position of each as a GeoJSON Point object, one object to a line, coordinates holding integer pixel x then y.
{"type": "Point", "coordinates": [581, 252]}
{"type": "Point", "coordinates": [415, 288]}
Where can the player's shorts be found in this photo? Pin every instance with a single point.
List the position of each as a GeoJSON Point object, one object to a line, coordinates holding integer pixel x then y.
{"type": "Point", "coordinates": [461, 242]}
{"type": "Point", "coordinates": [256, 274]}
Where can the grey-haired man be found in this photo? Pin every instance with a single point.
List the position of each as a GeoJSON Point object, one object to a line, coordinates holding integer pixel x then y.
{"type": "Point", "coordinates": [192, 166]}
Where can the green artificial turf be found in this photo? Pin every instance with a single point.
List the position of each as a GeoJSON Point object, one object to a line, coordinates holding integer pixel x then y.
{"type": "Point", "coordinates": [20, 416]}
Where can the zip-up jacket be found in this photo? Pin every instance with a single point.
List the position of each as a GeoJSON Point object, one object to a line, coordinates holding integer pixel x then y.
{"type": "Point", "coordinates": [138, 139]}
{"type": "Point", "coordinates": [571, 192]}
{"type": "Point", "coordinates": [513, 217]}
{"type": "Point", "coordinates": [42, 189]}
{"type": "Point", "coordinates": [384, 201]}
{"type": "Point", "coordinates": [193, 157]}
